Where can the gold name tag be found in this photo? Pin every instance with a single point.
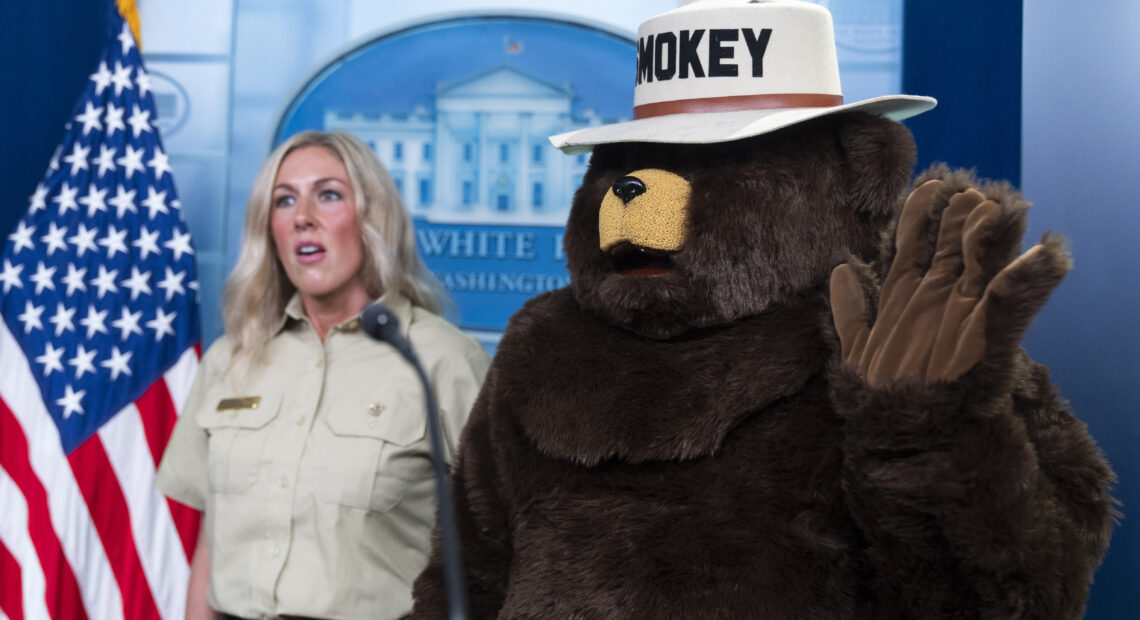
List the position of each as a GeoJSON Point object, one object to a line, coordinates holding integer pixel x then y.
{"type": "Point", "coordinates": [245, 402]}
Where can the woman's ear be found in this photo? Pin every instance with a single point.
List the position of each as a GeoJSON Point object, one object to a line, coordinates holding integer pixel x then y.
{"type": "Point", "coordinates": [879, 155]}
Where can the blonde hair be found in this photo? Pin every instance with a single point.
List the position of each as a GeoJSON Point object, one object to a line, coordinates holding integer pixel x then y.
{"type": "Point", "coordinates": [258, 289]}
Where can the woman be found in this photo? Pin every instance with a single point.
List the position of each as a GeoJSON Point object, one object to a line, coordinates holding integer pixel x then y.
{"type": "Point", "coordinates": [303, 440]}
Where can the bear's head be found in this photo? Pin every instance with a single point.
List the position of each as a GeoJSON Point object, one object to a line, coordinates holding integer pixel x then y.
{"type": "Point", "coordinates": [664, 238]}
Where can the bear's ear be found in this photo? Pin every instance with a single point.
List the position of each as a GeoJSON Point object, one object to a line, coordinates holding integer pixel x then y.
{"type": "Point", "coordinates": [879, 154]}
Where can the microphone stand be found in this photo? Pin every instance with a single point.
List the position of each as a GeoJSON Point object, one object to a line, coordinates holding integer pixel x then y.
{"type": "Point", "coordinates": [379, 323]}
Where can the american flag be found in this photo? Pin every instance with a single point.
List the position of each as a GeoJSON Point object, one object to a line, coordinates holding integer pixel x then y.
{"type": "Point", "coordinates": [98, 346]}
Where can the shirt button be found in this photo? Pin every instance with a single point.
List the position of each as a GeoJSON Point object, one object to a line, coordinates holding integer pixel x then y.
{"type": "Point", "coordinates": [375, 409]}
{"type": "Point", "coordinates": [276, 551]}
{"type": "Point", "coordinates": [301, 421]}
{"type": "Point", "coordinates": [319, 363]}
{"type": "Point", "coordinates": [284, 482]}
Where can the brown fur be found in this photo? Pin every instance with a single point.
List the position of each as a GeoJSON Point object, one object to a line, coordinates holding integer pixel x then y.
{"type": "Point", "coordinates": [691, 446]}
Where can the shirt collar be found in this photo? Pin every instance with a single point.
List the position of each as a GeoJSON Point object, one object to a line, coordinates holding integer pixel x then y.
{"type": "Point", "coordinates": [294, 309]}
{"type": "Point", "coordinates": [399, 305]}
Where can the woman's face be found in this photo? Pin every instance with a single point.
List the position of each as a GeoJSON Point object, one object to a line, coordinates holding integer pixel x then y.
{"type": "Point", "coordinates": [316, 230]}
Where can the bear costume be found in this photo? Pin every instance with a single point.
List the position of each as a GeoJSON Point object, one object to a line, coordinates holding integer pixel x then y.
{"type": "Point", "coordinates": [780, 387]}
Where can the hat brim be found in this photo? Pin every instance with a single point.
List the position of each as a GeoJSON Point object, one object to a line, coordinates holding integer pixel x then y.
{"type": "Point", "coordinates": [711, 127]}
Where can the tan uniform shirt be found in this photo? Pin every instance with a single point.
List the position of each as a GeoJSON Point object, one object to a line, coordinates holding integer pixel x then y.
{"type": "Point", "coordinates": [315, 472]}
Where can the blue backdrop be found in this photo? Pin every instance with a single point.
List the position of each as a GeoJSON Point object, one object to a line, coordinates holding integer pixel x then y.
{"type": "Point", "coordinates": [968, 58]}
{"type": "Point", "coordinates": [1041, 99]}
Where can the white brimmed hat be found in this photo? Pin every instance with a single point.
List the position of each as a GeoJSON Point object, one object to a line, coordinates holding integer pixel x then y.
{"type": "Point", "coordinates": [720, 70]}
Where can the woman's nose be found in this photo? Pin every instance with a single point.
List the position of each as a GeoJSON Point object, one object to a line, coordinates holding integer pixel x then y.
{"type": "Point", "coordinates": [303, 216]}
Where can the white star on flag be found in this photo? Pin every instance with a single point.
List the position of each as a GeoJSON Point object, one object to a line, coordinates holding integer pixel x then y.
{"type": "Point", "coordinates": [179, 244]}
{"type": "Point", "coordinates": [66, 198]}
{"type": "Point", "coordinates": [155, 202]}
{"type": "Point", "coordinates": [114, 241]}
{"type": "Point", "coordinates": [126, 39]}
{"type": "Point", "coordinates": [118, 363]}
{"type": "Point", "coordinates": [114, 119]}
{"type": "Point", "coordinates": [51, 359]}
{"type": "Point", "coordinates": [94, 321]}
{"type": "Point", "coordinates": [83, 239]}
{"type": "Point", "coordinates": [71, 401]}
{"type": "Point", "coordinates": [77, 159]}
{"type": "Point", "coordinates": [139, 120]}
{"type": "Point", "coordinates": [42, 278]}
{"type": "Point", "coordinates": [142, 82]}
{"type": "Point", "coordinates": [172, 283]}
{"type": "Point", "coordinates": [121, 78]}
{"type": "Point", "coordinates": [22, 238]}
{"type": "Point", "coordinates": [62, 319]}
{"type": "Point", "coordinates": [161, 324]}
{"type": "Point", "coordinates": [83, 361]}
{"type": "Point", "coordinates": [38, 201]}
{"type": "Point", "coordinates": [147, 243]}
{"type": "Point", "coordinates": [138, 283]}
{"type": "Point", "coordinates": [127, 323]}
{"type": "Point", "coordinates": [74, 279]}
{"type": "Point", "coordinates": [54, 238]}
{"type": "Point", "coordinates": [94, 200]}
{"type": "Point", "coordinates": [10, 276]}
{"type": "Point", "coordinates": [53, 165]}
{"type": "Point", "coordinates": [105, 281]}
{"type": "Point", "coordinates": [31, 316]}
{"type": "Point", "coordinates": [101, 78]}
{"type": "Point", "coordinates": [159, 163]}
{"type": "Point", "coordinates": [131, 161]}
{"type": "Point", "coordinates": [105, 160]}
{"type": "Point", "coordinates": [90, 118]}
{"type": "Point", "coordinates": [124, 201]}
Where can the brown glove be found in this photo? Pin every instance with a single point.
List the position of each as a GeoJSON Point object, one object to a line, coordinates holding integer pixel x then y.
{"type": "Point", "coordinates": [944, 303]}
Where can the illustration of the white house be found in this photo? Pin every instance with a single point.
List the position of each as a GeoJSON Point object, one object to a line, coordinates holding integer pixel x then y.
{"type": "Point", "coordinates": [482, 154]}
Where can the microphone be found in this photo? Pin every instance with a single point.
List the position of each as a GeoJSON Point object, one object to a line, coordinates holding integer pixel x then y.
{"type": "Point", "coordinates": [378, 322]}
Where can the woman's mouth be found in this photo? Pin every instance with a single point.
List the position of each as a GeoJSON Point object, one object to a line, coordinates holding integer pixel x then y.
{"type": "Point", "coordinates": [308, 253]}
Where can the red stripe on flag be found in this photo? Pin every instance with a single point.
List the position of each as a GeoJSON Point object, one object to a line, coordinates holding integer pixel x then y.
{"type": "Point", "coordinates": [186, 521]}
{"type": "Point", "coordinates": [62, 589]}
{"type": "Point", "coordinates": [158, 418]}
{"type": "Point", "coordinates": [112, 520]}
{"type": "Point", "coordinates": [11, 604]}
{"type": "Point", "coordinates": [156, 409]}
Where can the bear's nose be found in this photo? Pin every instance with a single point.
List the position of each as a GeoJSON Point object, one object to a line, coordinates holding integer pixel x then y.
{"type": "Point", "coordinates": [628, 188]}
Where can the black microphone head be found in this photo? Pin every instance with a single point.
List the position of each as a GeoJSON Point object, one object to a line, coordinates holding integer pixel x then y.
{"type": "Point", "coordinates": [378, 321]}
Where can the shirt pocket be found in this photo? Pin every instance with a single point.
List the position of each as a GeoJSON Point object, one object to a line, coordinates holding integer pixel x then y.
{"type": "Point", "coordinates": [238, 431]}
{"type": "Point", "coordinates": [372, 456]}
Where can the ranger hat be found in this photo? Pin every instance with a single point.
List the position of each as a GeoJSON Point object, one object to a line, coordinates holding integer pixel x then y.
{"type": "Point", "coordinates": [719, 70]}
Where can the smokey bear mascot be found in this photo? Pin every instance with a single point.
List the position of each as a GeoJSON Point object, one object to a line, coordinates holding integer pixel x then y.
{"type": "Point", "coordinates": [780, 385]}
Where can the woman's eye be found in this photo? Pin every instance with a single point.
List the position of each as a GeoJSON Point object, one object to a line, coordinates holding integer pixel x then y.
{"type": "Point", "coordinates": [283, 201]}
{"type": "Point", "coordinates": [330, 194]}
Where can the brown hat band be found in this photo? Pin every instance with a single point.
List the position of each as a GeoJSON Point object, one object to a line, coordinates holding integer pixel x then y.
{"type": "Point", "coordinates": [740, 102]}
